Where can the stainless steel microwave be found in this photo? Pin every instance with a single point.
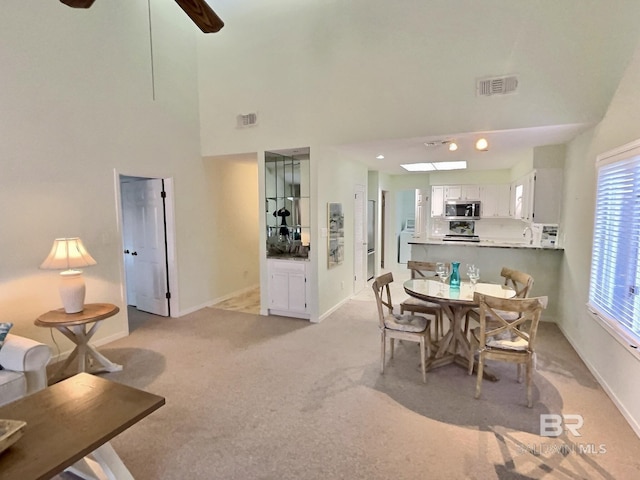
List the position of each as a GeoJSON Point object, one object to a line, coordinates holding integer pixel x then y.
{"type": "Point", "coordinates": [462, 210]}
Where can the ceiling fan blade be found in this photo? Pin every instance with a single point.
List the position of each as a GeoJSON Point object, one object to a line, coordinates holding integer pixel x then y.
{"type": "Point", "coordinates": [78, 3]}
{"type": "Point", "coordinates": [202, 15]}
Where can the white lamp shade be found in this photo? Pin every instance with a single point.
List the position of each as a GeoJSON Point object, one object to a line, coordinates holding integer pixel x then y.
{"type": "Point", "coordinates": [67, 253]}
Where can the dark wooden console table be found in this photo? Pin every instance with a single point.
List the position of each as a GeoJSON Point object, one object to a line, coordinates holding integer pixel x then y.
{"type": "Point", "coordinates": [69, 426]}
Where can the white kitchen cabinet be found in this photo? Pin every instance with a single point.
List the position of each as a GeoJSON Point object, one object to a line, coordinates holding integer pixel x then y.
{"type": "Point", "coordinates": [288, 288]}
{"type": "Point", "coordinates": [422, 202]}
{"type": "Point", "coordinates": [437, 201]}
{"type": "Point", "coordinates": [495, 201]}
{"type": "Point", "coordinates": [462, 192]}
{"type": "Point", "coordinates": [546, 195]}
{"type": "Point", "coordinates": [537, 196]}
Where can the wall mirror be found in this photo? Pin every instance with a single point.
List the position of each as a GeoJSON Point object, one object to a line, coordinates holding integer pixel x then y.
{"type": "Point", "coordinates": [287, 203]}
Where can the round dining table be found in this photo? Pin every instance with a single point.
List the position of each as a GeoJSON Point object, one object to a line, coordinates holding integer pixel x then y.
{"type": "Point", "coordinates": [454, 347]}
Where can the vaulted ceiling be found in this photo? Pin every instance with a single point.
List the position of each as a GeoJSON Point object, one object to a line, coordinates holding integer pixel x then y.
{"type": "Point", "coordinates": [379, 77]}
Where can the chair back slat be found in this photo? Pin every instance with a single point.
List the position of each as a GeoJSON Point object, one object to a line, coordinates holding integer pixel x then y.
{"type": "Point", "coordinates": [419, 269]}
{"type": "Point", "coordinates": [494, 309]}
{"type": "Point", "coordinates": [382, 292]}
{"type": "Point", "coordinates": [521, 282]}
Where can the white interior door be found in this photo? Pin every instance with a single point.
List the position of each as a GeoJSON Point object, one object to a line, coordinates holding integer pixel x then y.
{"type": "Point", "coordinates": [360, 241]}
{"type": "Point", "coordinates": [144, 227]}
{"type": "Point", "coordinates": [128, 193]}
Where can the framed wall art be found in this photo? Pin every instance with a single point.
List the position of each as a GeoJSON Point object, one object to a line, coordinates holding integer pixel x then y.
{"type": "Point", "coordinates": [335, 245]}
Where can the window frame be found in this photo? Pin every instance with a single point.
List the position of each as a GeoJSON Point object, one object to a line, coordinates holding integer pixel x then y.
{"type": "Point", "coordinates": [629, 339]}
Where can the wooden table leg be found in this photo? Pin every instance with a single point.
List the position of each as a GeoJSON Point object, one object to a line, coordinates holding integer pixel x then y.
{"type": "Point", "coordinates": [89, 359]}
{"type": "Point", "coordinates": [455, 346]}
{"type": "Point", "coordinates": [102, 463]}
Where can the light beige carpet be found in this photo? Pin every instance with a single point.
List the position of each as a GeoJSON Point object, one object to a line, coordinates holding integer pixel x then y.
{"type": "Point", "coordinates": [250, 397]}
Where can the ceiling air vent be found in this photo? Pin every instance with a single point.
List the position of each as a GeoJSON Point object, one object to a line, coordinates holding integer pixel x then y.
{"type": "Point", "coordinates": [247, 120]}
{"type": "Point", "coordinates": [497, 85]}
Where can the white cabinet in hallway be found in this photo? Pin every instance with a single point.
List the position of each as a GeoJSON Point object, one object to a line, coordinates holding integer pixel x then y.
{"type": "Point", "coordinates": [288, 288]}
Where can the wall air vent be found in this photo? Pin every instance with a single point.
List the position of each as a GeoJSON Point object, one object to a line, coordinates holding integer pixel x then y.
{"type": "Point", "coordinates": [496, 85]}
{"type": "Point", "coordinates": [247, 120]}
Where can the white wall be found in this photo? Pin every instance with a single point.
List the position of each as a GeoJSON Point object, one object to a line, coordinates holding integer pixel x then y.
{"type": "Point", "coordinates": [336, 180]}
{"type": "Point", "coordinates": [76, 104]}
{"type": "Point", "coordinates": [615, 367]}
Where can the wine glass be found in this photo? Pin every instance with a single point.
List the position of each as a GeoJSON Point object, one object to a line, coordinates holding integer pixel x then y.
{"type": "Point", "coordinates": [442, 271]}
{"type": "Point", "coordinates": [474, 275]}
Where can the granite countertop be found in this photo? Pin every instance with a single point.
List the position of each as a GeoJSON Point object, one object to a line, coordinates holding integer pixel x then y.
{"type": "Point", "coordinates": [492, 243]}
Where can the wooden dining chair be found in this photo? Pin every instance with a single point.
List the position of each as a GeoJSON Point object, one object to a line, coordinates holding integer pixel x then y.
{"type": "Point", "coordinates": [413, 328]}
{"type": "Point", "coordinates": [415, 305]}
{"type": "Point", "coordinates": [520, 282]}
{"type": "Point", "coordinates": [500, 338]}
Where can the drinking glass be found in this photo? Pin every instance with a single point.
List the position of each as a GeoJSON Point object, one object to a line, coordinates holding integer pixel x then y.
{"type": "Point", "coordinates": [474, 275]}
{"type": "Point", "coordinates": [470, 269]}
{"type": "Point", "coordinates": [442, 271]}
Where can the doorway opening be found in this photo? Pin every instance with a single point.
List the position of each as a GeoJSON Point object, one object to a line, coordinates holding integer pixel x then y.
{"type": "Point", "coordinates": [148, 240]}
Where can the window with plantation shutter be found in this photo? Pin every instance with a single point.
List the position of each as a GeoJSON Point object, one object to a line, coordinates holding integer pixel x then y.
{"type": "Point", "coordinates": [614, 291]}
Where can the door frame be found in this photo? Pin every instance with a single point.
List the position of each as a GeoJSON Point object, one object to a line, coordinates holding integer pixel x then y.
{"type": "Point", "coordinates": [172, 268]}
{"type": "Point", "coordinates": [360, 278]}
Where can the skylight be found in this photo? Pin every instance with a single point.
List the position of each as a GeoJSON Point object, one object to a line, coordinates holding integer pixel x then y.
{"type": "Point", "coordinates": [430, 167]}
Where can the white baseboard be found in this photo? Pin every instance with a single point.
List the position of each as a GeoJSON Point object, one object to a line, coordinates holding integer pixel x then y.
{"type": "Point", "coordinates": [332, 309]}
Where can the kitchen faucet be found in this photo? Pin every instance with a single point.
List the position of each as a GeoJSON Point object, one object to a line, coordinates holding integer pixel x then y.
{"type": "Point", "coordinates": [524, 234]}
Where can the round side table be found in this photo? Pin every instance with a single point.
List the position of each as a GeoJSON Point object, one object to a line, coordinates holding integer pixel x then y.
{"type": "Point", "coordinates": [77, 328]}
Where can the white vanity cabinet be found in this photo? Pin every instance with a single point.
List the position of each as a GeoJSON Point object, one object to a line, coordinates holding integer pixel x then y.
{"type": "Point", "coordinates": [288, 288]}
{"type": "Point", "coordinates": [496, 201]}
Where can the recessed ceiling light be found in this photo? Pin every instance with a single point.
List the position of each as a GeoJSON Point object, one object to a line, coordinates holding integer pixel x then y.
{"type": "Point", "coordinates": [453, 146]}
{"type": "Point", "coordinates": [380, 157]}
{"type": "Point", "coordinates": [482, 144]}
{"type": "Point", "coordinates": [430, 167]}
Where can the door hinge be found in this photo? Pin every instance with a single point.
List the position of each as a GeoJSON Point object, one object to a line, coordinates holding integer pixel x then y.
{"type": "Point", "coordinates": [168, 295]}
{"type": "Point", "coordinates": [163, 194]}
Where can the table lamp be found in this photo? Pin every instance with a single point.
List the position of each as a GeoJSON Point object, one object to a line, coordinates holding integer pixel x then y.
{"type": "Point", "coordinates": [67, 254]}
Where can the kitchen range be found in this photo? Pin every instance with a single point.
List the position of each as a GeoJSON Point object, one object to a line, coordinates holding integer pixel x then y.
{"type": "Point", "coordinates": [461, 231]}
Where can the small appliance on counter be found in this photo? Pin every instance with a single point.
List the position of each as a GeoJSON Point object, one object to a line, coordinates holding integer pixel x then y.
{"type": "Point", "coordinates": [545, 234]}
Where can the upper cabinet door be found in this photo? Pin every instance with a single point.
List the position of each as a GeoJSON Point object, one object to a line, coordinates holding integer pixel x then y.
{"type": "Point", "coordinates": [462, 192]}
{"type": "Point", "coordinates": [496, 201]}
{"type": "Point", "coordinates": [437, 201]}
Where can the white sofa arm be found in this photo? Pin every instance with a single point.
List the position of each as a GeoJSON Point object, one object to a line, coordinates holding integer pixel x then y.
{"type": "Point", "coordinates": [29, 356]}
